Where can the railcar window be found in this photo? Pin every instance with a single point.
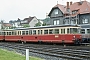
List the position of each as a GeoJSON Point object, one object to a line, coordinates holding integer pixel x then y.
{"type": "Point", "coordinates": [0, 33]}
{"type": "Point", "coordinates": [51, 31]}
{"type": "Point", "coordinates": [41, 31]}
{"type": "Point", "coordinates": [26, 32]}
{"type": "Point", "coordinates": [56, 31]}
{"type": "Point", "coordinates": [38, 31]}
{"type": "Point", "coordinates": [3, 33]}
{"type": "Point", "coordinates": [13, 33]}
{"type": "Point", "coordinates": [30, 32]}
{"type": "Point", "coordinates": [73, 30]}
{"type": "Point", "coordinates": [23, 32]}
{"type": "Point", "coordinates": [34, 32]}
{"type": "Point", "coordinates": [18, 32]}
{"type": "Point", "coordinates": [88, 30]}
{"type": "Point", "coordinates": [9, 33]}
{"type": "Point", "coordinates": [68, 30]}
{"type": "Point", "coordinates": [82, 31]}
{"type": "Point", "coordinates": [62, 31]}
{"type": "Point", "coordinates": [45, 31]}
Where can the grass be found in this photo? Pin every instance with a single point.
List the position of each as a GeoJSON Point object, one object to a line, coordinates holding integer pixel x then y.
{"type": "Point", "coordinates": [10, 55]}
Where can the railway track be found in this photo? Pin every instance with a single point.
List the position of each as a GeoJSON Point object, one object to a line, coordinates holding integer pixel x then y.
{"type": "Point", "coordinates": [50, 52]}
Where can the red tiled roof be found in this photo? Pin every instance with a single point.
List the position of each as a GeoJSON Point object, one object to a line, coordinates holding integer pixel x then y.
{"type": "Point", "coordinates": [61, 7]}
{"type": "Point", "coordinates": [28, 20]}
{"type": "Point", "coordinates": [7, 25]}
{"type": "Point", "coordinates": [82, 7]}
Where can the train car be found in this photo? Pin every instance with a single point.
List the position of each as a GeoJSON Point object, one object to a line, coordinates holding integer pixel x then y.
{"type": "Point", "coordinates": [10, 35]}
{"type": "Point", "coordinates": [2, 36]}
{"type": "Point", "coordinates": [85, 32]}
{"type": "Point", "coordinates": [49, 34]}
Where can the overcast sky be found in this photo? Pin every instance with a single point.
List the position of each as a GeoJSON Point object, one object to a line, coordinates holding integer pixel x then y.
{"type": "Point", "coordinates": [14, 9]}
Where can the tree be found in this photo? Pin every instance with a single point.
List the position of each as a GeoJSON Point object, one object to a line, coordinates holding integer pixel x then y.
{"type": "Point", "coordinates": [26, 25]}
{"type": "Point", "coordinates": [2, 23]}
{"type": "Point", "coordinates": [38, 24]}
{"type": "Point", "coordinates": [44, 24]}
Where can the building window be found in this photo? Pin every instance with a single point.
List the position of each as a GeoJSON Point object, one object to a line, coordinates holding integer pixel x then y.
{"type": "Point", "coordinates": [56, 22]}
{"type": "Point", "coordinates": [88, 31]}
{"type": "Point", "coordinates": [82, 31]}
{"type": "Point", "coordinates": [85, 21]}
{"type": "Point", "coordinates": [74, 12]}
{"type": "Point", "coordinates": [56, 11]}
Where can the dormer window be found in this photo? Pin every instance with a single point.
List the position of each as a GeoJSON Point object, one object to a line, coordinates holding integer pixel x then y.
{"type": "Point", "coordinates": [86, 9]}
{"type": "Point", "coordinates": [74, 12]}
{"type": "Point", "coordinates": [68, 10]}
{"type": "Point", "coordinates": [85, 20]}
{"type": "Point", "coordinates": [56, 11]}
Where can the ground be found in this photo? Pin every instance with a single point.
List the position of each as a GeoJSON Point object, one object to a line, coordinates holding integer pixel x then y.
{"type": "Point", "coordinates": [10, 55]}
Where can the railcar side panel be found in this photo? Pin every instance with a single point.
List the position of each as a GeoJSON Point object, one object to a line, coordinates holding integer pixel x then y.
{"type": "Point", "coordinates": [13, 38]}
{"type": "Point", "coordinates": [1, 37]}
{"type": "Point", "coordinates": [58, 38]}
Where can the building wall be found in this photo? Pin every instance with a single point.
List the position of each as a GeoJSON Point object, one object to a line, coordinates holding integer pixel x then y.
{"type": "Point", "coordinates": [83, 17]}
{"type": "Point", "coordinates": [33, 22]}
{"type": "Point", "coordinates": [0, 25]}
{"type": "Point", "coordinates": [54, 17]}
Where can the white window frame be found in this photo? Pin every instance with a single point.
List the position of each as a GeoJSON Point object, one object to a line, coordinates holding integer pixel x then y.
{"type": "Point", "coordinates": [85, 20]}
{"type": "Point", "coordinates": [56, 22]}
{"type": "Point", "coordinates": [56, 11]}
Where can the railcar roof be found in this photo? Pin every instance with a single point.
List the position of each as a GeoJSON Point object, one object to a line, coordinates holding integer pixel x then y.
{"type": "Point", "coordinates": [85, 26]}
{"type": "Point", "coordinates": [51, 26]}
{"type": "Point", "coordinates": [42, 27]}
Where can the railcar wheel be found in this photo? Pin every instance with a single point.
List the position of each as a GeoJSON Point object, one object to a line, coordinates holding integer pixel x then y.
{"type": "Point", "coordinates": [3, 40]}
{"type": "Point", "coordinates": [23, 42]}
{"type": "Point", "coordinates": [63, 42]}
{"type": "Point", "coordinates": [77, 42]}
{"type": "Point", "coordinates": [39, 41]}
{"type": "Point", "coordinates": [19, 40]}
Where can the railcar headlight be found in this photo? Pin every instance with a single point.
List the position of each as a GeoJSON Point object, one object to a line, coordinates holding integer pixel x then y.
{"type": "Point", "coordinates": [74, 36]}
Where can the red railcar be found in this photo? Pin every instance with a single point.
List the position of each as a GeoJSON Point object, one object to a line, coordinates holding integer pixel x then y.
{"type": "Point", "coordinates": [1, 35]}
{"type": "Point", "coordinates": [50, 34]}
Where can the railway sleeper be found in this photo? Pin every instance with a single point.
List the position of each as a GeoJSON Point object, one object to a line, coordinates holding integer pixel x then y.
{"type": "Point", "coordinates": [72, 54]}
{"type": "Point", "coordinates": [58, 55]}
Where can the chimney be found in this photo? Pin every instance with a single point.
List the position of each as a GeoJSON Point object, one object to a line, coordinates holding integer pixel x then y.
{"type": "Point", "coordinates": [46, 15]}
{"type": "Point", "coordinates": [67, 4]}
{"type": "Point", "coordinates": [71, 3]}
